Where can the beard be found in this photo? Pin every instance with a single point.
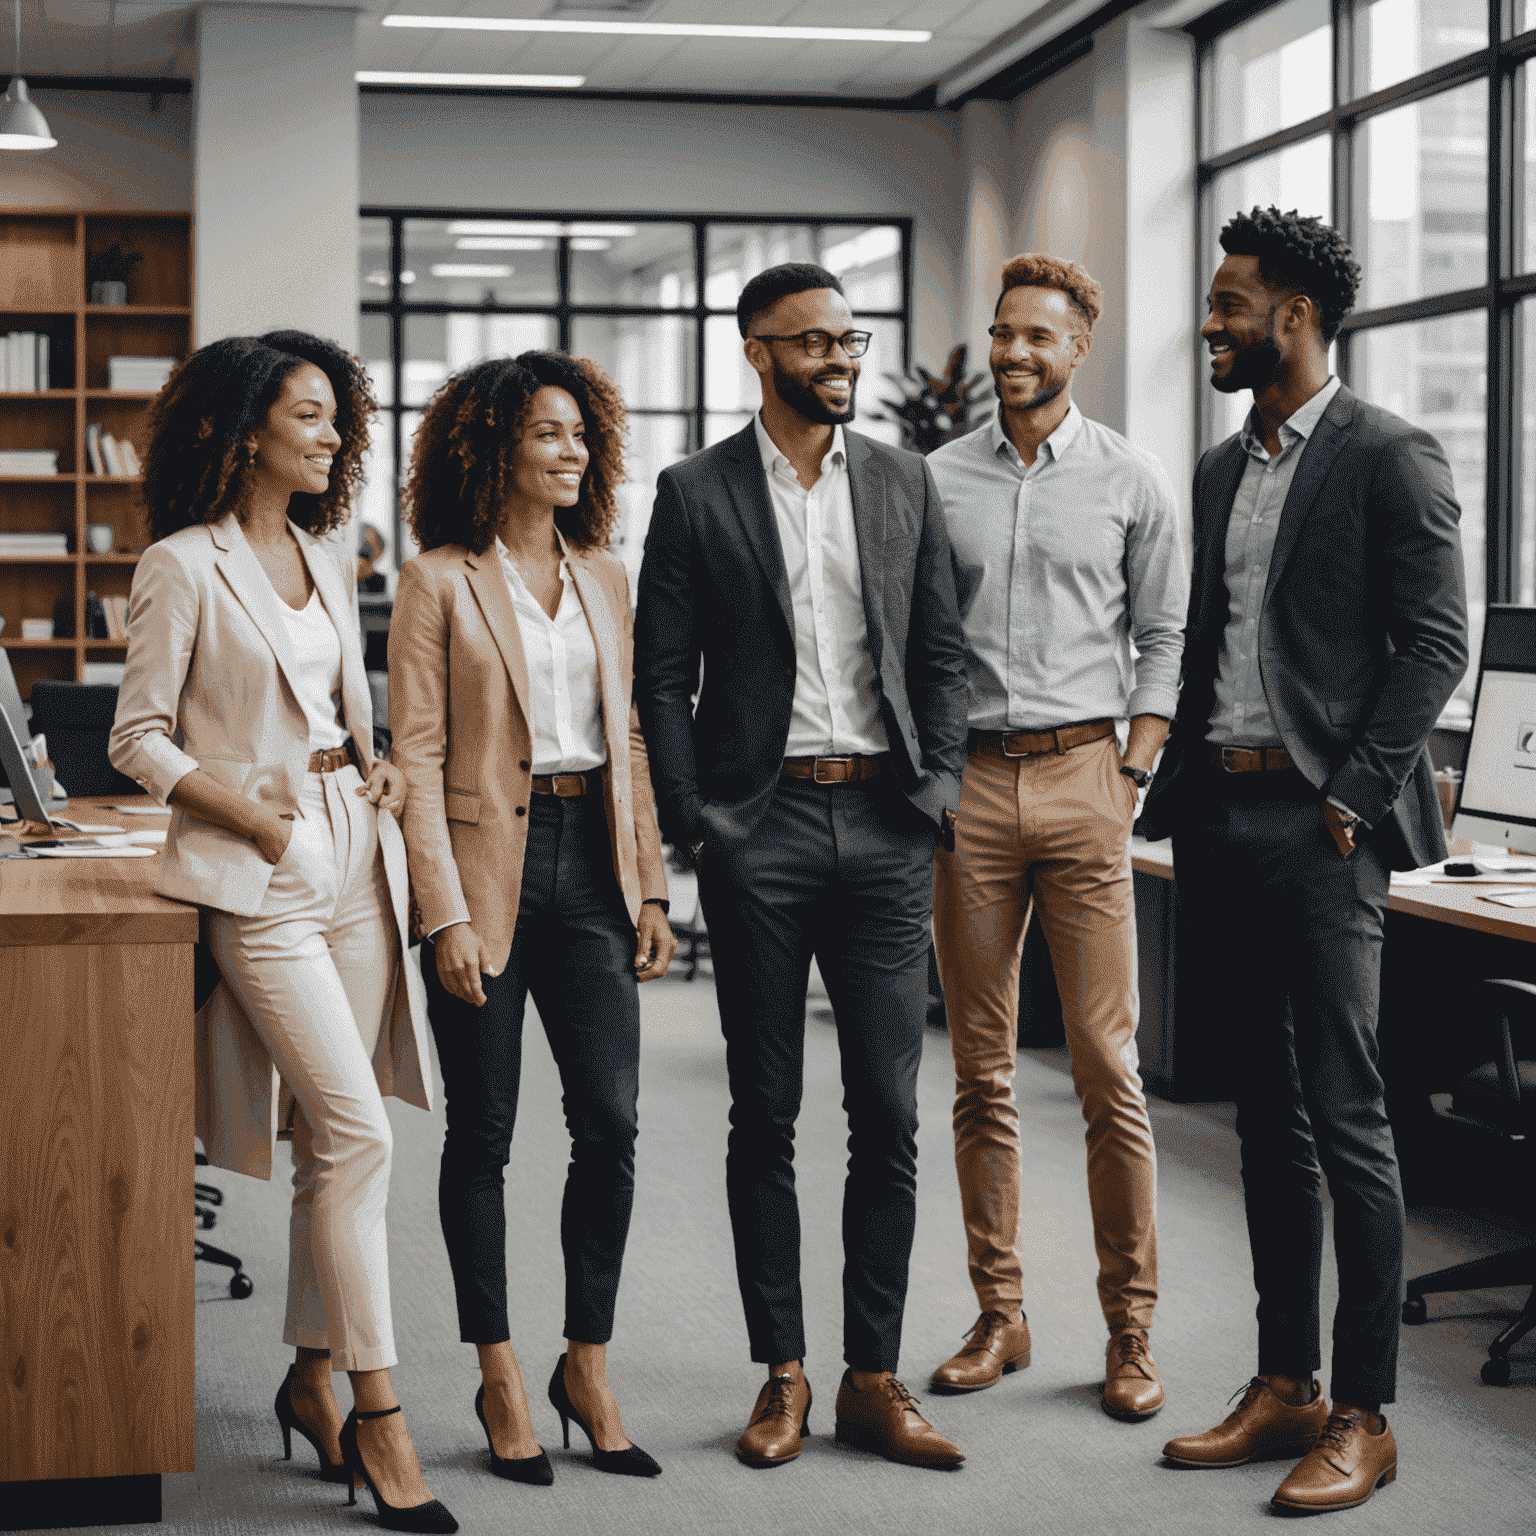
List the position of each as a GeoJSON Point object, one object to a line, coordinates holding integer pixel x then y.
{"type": "Point", "coordinates": [803, 398]}
{"type": "Point", "coordinates": [1051, 383]}
{"type": "Point", "coordinates": [1253, 366]}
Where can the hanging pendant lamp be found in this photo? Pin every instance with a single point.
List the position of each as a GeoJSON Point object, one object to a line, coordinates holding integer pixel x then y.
{"type": "Point", "coordinates": [22, 126]}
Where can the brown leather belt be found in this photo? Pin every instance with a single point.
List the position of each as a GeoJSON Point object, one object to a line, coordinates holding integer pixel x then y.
{"type": "Point", "coordinates": [1061, 739]}
{"type": "Point", "coordinates": [332, 758]}
{"type": "Point", "coordinates": [833, 770]}
{"type": "Point", "coordinates": [568, 786]}
{"type": "Point", "coordinates": [1250, 759]}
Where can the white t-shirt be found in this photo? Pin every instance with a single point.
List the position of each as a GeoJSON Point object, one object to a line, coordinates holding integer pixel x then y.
{"type": "Point", "coordinates": [317, 652]}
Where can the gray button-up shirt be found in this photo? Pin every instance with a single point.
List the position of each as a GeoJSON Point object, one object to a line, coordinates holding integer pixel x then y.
{"type": "Point", "coordinates": [1241, 716]}
{"type": "Point", "coordinates": [1061, 568]}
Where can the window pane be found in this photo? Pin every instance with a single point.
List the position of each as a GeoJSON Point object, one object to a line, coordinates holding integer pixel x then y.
{"type": "Point", "coordinates": [1426, 195]}
{"type": "Point", "coordinates": [1269, 73]}
{"type": "Point", "coordinates": [738, 252]}
{"type": "Point", "coordinates": [651, 360]}
{"type": "Point", "coordinates": [721, 426]}
{"type": "Point", "coordinates": [373, 258]}
{"type": "Point", "coordinates": [650, 264]}
{"type": "Point", "coordinates": [1525, 239]}
{"type": "Point", "coordinates": [1398, 39]}
{"type": "Point", "coordinates": [373, 348]}
{"type": "Point", "coordinates": [476, 261]}
{"type": "Point", "coordinates": [1525, 404]}
{"type": "Point", "coordinates": [867, 259]}
{"type": "Point", "coordinates": [654, 442]}
{"type": "Point", "coordinates": [730, 383]}
{"type": "Point", "coordinates": [1434, 374]}
{"type": "Point", "coordinates": [1298, 176]}
{"type": "Point", "coordinates": [437, 345]}
{"type": "Point", "coordinates": [375, 504]}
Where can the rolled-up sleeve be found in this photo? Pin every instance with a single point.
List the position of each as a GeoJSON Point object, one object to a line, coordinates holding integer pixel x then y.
{"type": "Point", "coordinates": [163, 614]}
{"type": "Point", "coordinates": [1157, 578]}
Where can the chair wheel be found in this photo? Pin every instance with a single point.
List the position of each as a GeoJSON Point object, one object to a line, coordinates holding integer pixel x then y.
{"type": "Point", "coordinates": [1415, 1311]}
{"type": "Point", "coordinates": [1496, 1372]}
{"type": "Point", "coordinates": [240, 1285]}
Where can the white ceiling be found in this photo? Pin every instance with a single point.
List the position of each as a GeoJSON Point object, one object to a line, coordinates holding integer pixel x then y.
{"type": "Point", "coordinates": [155, 37]}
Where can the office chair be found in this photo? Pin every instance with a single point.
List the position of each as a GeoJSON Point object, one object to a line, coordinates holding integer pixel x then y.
{"type": "Point", "coordinates": [77, 719]}
{"type": "Point", "coordinates": [204, 1198]}
{"type": "Point", "coordinates": [1499, 1099]}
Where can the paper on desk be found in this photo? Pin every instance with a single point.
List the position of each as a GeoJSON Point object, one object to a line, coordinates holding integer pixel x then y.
{"type": "Point", "coordinates": [141, 810]}
{"type": "Point", "coordinates": [94, 851]}
{"type": "Point", "coordinates": [1510, 898]}
{"type": "Point", "coordinates": [83, 826]}
{"type": "Point", "coordinates": [149, 835]}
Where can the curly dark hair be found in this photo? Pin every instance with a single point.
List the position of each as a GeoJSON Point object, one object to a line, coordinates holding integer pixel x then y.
{"type": "Point", "coordinates": [1302, 253]}
{"type": "Point", "coordinates": [197, 467]}
{"type": "Point", "coordinates": [461, 464]}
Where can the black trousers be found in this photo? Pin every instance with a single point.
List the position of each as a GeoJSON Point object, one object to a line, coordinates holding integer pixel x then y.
{"type": "Point", "coordinates": [1291, 959]}
{"type": "Point", "coordinates": [573, 949]}
{"type": "Point", "coordinates": [843, 872]}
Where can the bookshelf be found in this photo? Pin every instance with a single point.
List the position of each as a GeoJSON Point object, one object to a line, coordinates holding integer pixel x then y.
{"type": "Point", "coordinates": [43, 288]}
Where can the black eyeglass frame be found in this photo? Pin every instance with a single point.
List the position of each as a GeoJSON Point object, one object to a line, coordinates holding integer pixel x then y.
{"type": "Point", "coordinates": [862, 338]}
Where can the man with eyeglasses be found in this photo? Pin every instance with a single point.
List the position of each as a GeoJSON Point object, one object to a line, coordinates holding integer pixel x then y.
{"type": "Point", "coordinates": [807, 567]}
{"type": "Point", "coordinates": [1067, 554]}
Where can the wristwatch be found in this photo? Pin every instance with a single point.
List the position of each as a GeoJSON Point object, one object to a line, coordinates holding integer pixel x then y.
{"type": "Point", "coordinates": [1140, 777]}
{"type": "Point", "coordinates": [658, 901]}
{"type": "Point", "coordinates": [695, 849]}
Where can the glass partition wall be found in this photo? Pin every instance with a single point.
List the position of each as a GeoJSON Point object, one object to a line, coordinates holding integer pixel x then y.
{"type": "Point", "coordinates": [1411, 125]}
{"type": "Point", "coordinates": [650, 298]}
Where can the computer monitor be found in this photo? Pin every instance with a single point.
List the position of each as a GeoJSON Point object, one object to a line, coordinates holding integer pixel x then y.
{"type": "Point", "coordinates": [29, 804]}
{"type": "Point", "coordinates": [1497, 802]}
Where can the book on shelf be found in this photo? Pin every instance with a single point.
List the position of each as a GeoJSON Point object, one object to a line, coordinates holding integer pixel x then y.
{"type": "Point", "coordinates": [102, 672]}
{"type": "Point", "coordinates": [29, 461]}
{"type": "Point", "coordinates": [93, 449]}
{"type": "Point", "coordinates": [130, 454]}
{"type": "Point", "coordinates": [116, 610]}
{"type": "Point", "coordinates": [34, 544]}
{"type": "Point", "coordinates": [24, 362]}
{"type": "Point", "coordinates": [110, 456]}
{"type": "Point", "coordinates": [139, 374]}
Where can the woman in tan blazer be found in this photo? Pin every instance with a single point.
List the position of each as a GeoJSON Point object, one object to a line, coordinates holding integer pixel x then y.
{"type": "Point", "coordinates": [245, 708]}
{"type": "Point", "coordinates": [534, 853]}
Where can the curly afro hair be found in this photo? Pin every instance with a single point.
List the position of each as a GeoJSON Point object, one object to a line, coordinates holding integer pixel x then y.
{"type": "Point", "coordinates": [1036, 271]}
{"type": "Point", "coordinates": [1299, 253]}
{"type": "Point", "coordinates": [461, 464]}
{"type": "Point", "coordinates": [198, 466]}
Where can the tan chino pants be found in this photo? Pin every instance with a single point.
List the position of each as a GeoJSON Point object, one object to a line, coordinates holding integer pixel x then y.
{"type": "Point", "coordinates": [1048, 834]}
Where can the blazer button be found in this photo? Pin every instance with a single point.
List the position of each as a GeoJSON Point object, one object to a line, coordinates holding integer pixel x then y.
{"type": "Point", "coordinates": [524, 766]}
{"type": "Point", "coordinates": [522, 810]}
{"type": "Point", "coordinates": [789, 671]}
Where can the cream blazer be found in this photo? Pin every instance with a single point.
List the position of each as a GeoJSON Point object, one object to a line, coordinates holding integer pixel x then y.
{"type": "Point", "coordinates": [458, 710]}
{"type": "Point", "coordinates": [206, 686]}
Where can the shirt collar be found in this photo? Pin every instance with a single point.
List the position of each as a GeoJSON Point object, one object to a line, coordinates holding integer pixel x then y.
{"type": "Point", "coordinates": [772, 457]}
{"type": "Point", "coordinates": [1057, 443]}
{"type": "Point", "coordinates": [1300, 424]}
{"type": "Point", "coordinates": [505, 556]}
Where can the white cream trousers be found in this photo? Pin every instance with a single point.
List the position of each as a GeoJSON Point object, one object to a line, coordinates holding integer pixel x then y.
{"type": "Point", "coordinates": [313, 971]}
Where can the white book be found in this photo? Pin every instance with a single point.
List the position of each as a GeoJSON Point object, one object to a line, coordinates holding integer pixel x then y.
{"type": "Point", "coordinates": [44, 344]}
{"type": "Point", "coordinates": [28, 349]}
{"type": "Point", "coordinates": [109, 453]}
{"type": "Point", "coordinates": [130, 455]}
{"type": "Point", "coordinates": [93, 449]}
{"type": "Point", "coordinates": [5, 364]}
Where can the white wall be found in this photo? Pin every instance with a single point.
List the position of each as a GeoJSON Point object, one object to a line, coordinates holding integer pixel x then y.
{"type": "Point", "coordinates": [275, 180]}
{"type": "Point", "coordinates": [114, 151]}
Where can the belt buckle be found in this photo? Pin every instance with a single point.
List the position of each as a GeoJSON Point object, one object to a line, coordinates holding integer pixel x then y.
{"type": "Point", "coordinates": [1002, 741]}
{"type": "Point", "coordinates": [816, 763]}
{"type": "Point", "coordinates": [556, 780]}
{"type": "Point", "coordinates": [1226, 766]}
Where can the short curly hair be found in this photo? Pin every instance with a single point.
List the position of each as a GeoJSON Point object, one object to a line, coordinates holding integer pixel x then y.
{"type": "Point", "coordinates": [198, 465]}
{"type": "Point", "coordinates": [1299, 252]}
{"type": "Point", "coordinates": [461, 464]}
{"type": "Point", "coordinates": [1033, 270]}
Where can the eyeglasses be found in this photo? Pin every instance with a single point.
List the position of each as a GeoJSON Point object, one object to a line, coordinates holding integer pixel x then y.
{"type": "Point", "coordinates": [819, 343]}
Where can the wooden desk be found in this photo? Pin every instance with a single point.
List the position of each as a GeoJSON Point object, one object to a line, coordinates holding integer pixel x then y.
{"type": "Point", "coordinates": [96, 1304]}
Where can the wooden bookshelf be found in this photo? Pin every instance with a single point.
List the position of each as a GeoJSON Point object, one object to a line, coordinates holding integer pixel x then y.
{"type": "Point", "coordinates": [43, 288]}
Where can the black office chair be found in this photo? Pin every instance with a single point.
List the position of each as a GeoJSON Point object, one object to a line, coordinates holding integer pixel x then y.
{"type": "Point", "coordinates": [77, 719]}
{"type": "Point", "coordinates": [204, 1198]}
{"type": "Point", "coordinates": [1499, 1099]}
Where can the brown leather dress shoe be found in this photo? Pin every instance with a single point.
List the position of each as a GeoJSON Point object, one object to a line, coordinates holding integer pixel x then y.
{"type": "Point", "coordinates": [781, 1414]}
{"type": "Point", "coordinates": [995, 1347]}
{"type": "Point", "coordinates": [1260, 1428]}
{"type": "Point", "coordinates": [1345, 1466]}
{"type": "Point", "coordinates": [1133, 1390]}
{"type": "Point", "coordinates": [885, 1420]}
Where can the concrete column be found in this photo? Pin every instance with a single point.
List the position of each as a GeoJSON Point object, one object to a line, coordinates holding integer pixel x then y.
{"type": "Point", "coordinates": [275, 171]}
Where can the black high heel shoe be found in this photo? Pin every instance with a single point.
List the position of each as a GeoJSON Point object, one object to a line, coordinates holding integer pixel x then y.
{"type": "Point", "coordinates": [430, 1517]}
{"type": "Point", "coordinates": [631, 1463]}
{"type": "Point", "coordinates": [522, 1469]}
{"type": "Point", "coordinates": [289, 1420]}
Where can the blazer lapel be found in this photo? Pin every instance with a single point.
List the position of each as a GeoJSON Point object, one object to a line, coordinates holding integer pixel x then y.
{"type": "Point", "coordinates": [867, 487]}
{"type": "Point", "coordinates": [1317, 457]}
{"type": "Point", "coordinates": [239, 566]}
{"type": "Point", "coordinates": [356, 701]}
{"type": "Point", "coordinates": [606, 639]}
{"type": "Point", "coordinates": [748, 490]}
{"type": "Point", "coordinates": [490, 588]}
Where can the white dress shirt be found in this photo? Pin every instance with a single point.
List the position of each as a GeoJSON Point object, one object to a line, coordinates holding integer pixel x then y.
{"type": "Point", "coordinates": [563, 697]}
{"type": "Point", "coordinates": [836, 710]}
{"type": "Point", "coordinates": [317, 651]}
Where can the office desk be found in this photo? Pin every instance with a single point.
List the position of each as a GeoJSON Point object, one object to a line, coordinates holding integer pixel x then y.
{"type": "Point", "coordinates": [96, 1305]}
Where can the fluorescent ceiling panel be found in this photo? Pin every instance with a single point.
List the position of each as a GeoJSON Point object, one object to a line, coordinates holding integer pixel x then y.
{"type": "Point", "coordinates": [432, 77]}
{"type": "Point", "coordinates": [665, 29]}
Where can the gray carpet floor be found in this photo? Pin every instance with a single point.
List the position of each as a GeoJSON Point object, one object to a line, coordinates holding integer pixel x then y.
{"type": "Point", "coordinates": [1041, 1454]}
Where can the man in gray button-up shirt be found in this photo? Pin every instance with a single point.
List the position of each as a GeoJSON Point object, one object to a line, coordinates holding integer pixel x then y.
{"type": "Point", "coordinates": [1067, 555]}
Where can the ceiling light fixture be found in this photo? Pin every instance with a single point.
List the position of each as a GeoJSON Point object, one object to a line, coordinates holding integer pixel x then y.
{"type": "Point", "coordinates": [544, 229]}
{"type": "Point", "coordinates": [492, 82]}
{"type": "Point", "coordinates": [499, 243]}
{"type": "Point", "coordinates": [22, 126]}
{"type": "Point", "coordinates": [665, 29]}
{"type": "Point", "coordinates": [470, 269]}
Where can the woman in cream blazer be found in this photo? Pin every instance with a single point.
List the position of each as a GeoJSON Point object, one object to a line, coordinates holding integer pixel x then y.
{"type": "Point", "coordinates": [534, 852]}
{"type": "Point", "coordinates": [245, 707]}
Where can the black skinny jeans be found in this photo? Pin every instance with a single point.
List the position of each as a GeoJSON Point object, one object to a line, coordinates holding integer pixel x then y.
{"type": "Point", "coordinates": [573, 949]}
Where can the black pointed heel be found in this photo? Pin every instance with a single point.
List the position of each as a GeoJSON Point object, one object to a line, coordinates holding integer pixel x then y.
{"type": "Point", "coordinates": [522, 1469]}
{"type": "Point", "coordinates": [288, 1421]}
{"type": "Point", "coordinates": [430, 1517]}
{"type": "Point", "coordinates": [631, 1463]}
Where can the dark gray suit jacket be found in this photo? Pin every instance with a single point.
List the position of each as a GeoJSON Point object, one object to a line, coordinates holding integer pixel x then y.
{"type": "Point", "coordinates": [1363, 634]}
{"type": "Point", "coordinates": [713, 587]}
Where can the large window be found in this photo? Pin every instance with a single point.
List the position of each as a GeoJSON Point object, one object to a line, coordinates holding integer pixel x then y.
{"type": "Point", "coordinates": [652, 299]}
{"type": "Point", "coordinates": [1411, 125]}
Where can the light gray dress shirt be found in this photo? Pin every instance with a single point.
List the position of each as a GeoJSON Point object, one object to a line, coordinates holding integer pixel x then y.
{"type": "Point", "coordinates": [835, 709]}
{"type": "Point", "coordinates": [1241, 716]}
{"type": "Point", "coordinates": [1061, 568]}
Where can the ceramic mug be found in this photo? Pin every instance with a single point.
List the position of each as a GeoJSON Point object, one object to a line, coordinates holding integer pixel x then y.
{"type": "Point", "coordinates": [99, 538]}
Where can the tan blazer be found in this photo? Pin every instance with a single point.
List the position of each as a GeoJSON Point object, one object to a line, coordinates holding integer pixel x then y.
{"type": "Point", "coordinates": [458, 709]}
{"type": "Point", "coordinates": [206, 686]}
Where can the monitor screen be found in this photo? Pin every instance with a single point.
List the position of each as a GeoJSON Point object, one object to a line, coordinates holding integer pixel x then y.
{"type": "Point", "coordinates": [1498, 791]}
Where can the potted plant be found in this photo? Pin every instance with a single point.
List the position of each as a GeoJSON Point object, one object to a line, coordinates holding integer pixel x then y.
{"type": "Point", "coordinates": [108, 272]}
{"type": "Point", "coordinates": [937, 407]}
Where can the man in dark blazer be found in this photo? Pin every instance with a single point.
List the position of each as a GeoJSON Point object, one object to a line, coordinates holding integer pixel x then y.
{"type": "Point", "coordinates": [1327, 628]}
{"type": "Point", "coordinates": [808, 568]}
